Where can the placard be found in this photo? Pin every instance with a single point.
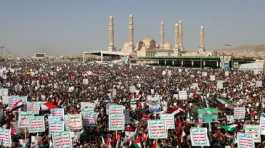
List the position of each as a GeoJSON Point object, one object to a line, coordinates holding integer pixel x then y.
{"type": "Point", "coordinates": [23, 119]}
{"type": "Point", "coordinates": [36, 124]}
{"type": "Point", "coordinates": [89, 118]}
{"type": "Point", "coordinates": [157, 129]}
{"type": "Point", "coordinates": [245, 140]}
{"type": "Point", "coordinates": [62, 140]}
{"type": "Point", "coordinates": [88, 106]}
{"type": "Point", "coordinates": [116, 122]}
{"type": "Point", "coordinates": [239, 113]}
{"type": "Point", "coordinates": [5, 137]}
{"type": "Point", "coordinates": [262, 125]}
{"type": "Point", "coordinates": [73, 121]}
{"type": "Point", "coordinates": [34, 107]}
{"type": "Point", "coordinates": [169, 120]}
{"type": "Point", "coordinates": [199, 137]}
{"type": "Point", "coordinates": [220, 84]}
{"type": "Point", "coordinates": [258, 83]}
{"type": "Point", "coordinates": [56, 124]}
{"type": "Point", "coordinates": [212, 77]}
{"type": "Point", "coordinates": [116, 109]}
{"type": "Point", "coordinates": [3, 92]}
{"type": "Point", "coordinates": [183, 95]}
{"type": "Point", "coordinates": [253, 130]}
{"type": "Point", "coordinates": [204, 74]}
{"type": "Point", "coordinates": [59, 112]}
{"type": "Point", "coordinates": [226, 73]}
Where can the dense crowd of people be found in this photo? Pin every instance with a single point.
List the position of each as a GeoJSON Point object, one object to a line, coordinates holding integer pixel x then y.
{"type": "Point", "coordinates": [66, 84]}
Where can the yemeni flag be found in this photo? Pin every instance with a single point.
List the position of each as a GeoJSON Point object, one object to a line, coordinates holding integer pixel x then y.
{"type": "Point", "coordinates": [137, 142]}
{"type": "Point", "coordinates": [48, 106]}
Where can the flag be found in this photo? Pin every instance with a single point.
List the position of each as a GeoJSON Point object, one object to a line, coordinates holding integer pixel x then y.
{"type": "Point", "coordinates": [229, 128]}
{"type": "Point", "coordinates": [48, 106]}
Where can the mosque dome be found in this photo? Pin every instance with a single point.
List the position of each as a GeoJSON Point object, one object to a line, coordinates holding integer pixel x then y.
{"type": "Point", "coordinates": [149, 43]}
{"type": "Point", "coordinates": [167, 45]}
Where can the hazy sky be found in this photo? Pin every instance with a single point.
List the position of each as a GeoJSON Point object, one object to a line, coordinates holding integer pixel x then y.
{"type": "Point", "coordinates": [72, 26]}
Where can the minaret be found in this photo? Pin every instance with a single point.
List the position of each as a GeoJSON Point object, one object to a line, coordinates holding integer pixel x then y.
{"type": "Point", "coordinates": [111, 33]}
{"type": "Point", "coordinates": [177, 36]}
{"type": "Point", "coordinates": [202, 38]}
{"type": "Point", "coordinates": [131, 34]}
{"type": "Point", "coordinates": [180, 35]}
{"type": "Point", "coordinates": [162, 35]}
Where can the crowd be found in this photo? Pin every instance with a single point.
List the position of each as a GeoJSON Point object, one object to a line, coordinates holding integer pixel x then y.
{"type": "Point", "coordinates": [66, 85]}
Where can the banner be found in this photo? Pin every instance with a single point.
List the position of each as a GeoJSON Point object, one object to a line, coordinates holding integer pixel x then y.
{"type": "Point", "coordinates": [59, 112]}
{"type": "Point", "coordinates": [36, 124]}
{"type": "Point", "coordinates": [262, 125]}
{"type": "Point", "coordinates": [183, 95]}
{"type": "Point", "coordinates": [5, 137]}
{"type": "Point", "coordinates": [56, 124]}
{"type": "Point", "coordinates": [34, 107]}
{"type": "Point", "coordinates": [73, 121]}
{"type": "Point", "coordinates": [169, 120]}
{"type": "Point", "coordinates": [254, 131]}
{"type": "Point", "coordinates": [62, 140]}
{"type": "Point", "coordinates": [239, 113]}
{"type": "Point", "coordinates": [245, 140]}
{"type": "Point", "coordinates": [157, 129]}
{"type": "Point", "coordinates": [116, 122]}
{"type": "Point", "coordinates": [199, 137]}
{"type": "Point", "coordinates": [23, 119]}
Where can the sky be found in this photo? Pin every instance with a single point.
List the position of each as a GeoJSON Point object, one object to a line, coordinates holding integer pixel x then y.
{"type": "Point", "coordinates": [67, 27]}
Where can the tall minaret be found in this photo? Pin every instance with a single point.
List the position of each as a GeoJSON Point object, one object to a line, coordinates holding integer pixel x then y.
{"type": "Point", "coordinates": [177, 36]}
{"type": "Point", "coordinates": [180, 35]}
{"type": "Point", "coordinates": [111, 34]}
{"type": "Point", "coordinates": [131, 34]}
{"type": "Point", "coordinates": [202, 38]}
{"type": "Point", "coordinates": [162, 35]}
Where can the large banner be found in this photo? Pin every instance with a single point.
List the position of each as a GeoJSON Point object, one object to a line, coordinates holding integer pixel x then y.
{"type": "Point", "coordinates": [157, 129]}
{"type": "Point", "coordinates": [183, 95]}
{"type": "Point", "coordinates": [169, 120]}
{"type": "Point", "coordinates": [116, 122]}
{"type": "Point", "coordinates": [56, 124]}
{"type": "Point", "coordinates": [23, 119]}
{"type": "Point", "coordinates": [73, 121]}
{"type": "Point", "coordinates": [37, 124]}
{"type": "Point", "coordinates": [254, 131]}
{"type": "Point", "coordinates": [245, 140]}
{"type": "Point", "coordinates": [262, 125]}
{"type": "Point", "coordinates": [62, 140]}
{"type": "Point", "coordinates": [239, 113]}
{"type": "Point", "coordinates": [199, 137]}
{"type": "Point", "coordinates": [59, 112]}
{"type": "Point", "coordinates": [5, 137]}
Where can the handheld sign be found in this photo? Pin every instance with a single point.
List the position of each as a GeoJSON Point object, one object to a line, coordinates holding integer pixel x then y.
{"type": "Point", "coordinates": [89, 117]}
{"type": "Point", "coordinates": [34, 107]}
{"type": "Point", "coordinates": [23, 119]}
{"type": "Point", "coordinates": [212, 77]}
{"type": "Point", "coordinates": [73, 121]}
{"type": "Point", "coordinates": [245, 140]}
{"type": "Point", "coordinates": [183, 95]}
{"type": "Point", "coordinates": [254, 131]}
{"type": "Point", "coordinates": [169, 120]}
{"type": "Point", "coordinates": [37, 124]}
{"type": "Point", "coordinates": [220, 84]}
{"type": "Point", "coordinates": [157, 129]}
{"type": "Point", "coordinates": [62, 140]}
{"type": "Point", "coordinates": [3, 92]}
{"type": "Point", "coordinates": [56, 124]}
{"type": "Point", "coordinates": [262, 125]}
{"type": "Point", "coordinates": [5, 137]}
{"type": "Point", "coordinates": [116, 122]}
{"type": "Point", "coordinates": [59, 112]}
{"type": "Point", "coordinates": [87, 106]}
{"type": "Point", "coordinates": [199, 137]}
{"type": "Point", "coordinates": [239, 113]}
